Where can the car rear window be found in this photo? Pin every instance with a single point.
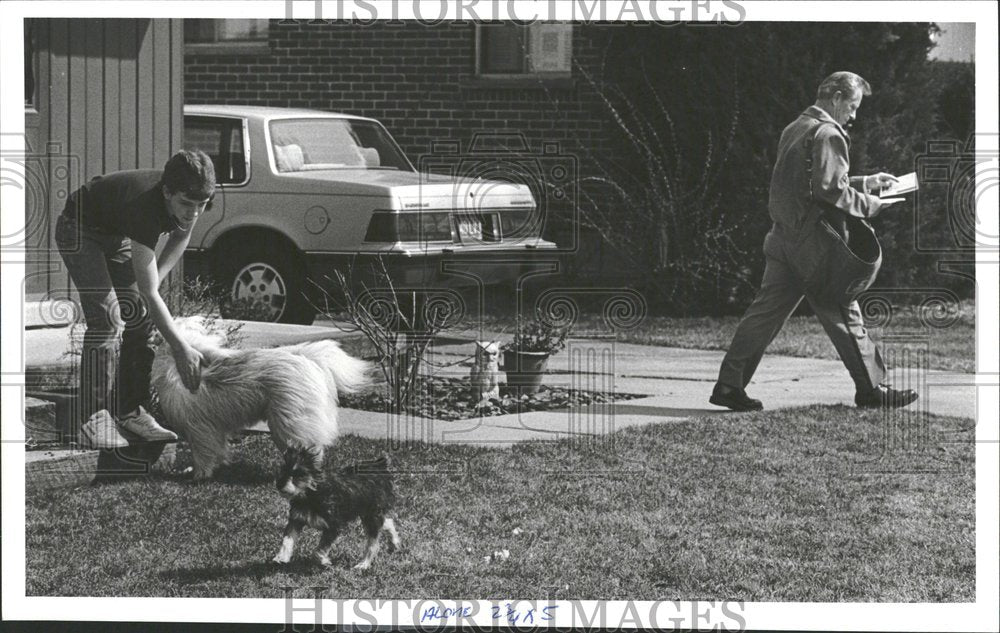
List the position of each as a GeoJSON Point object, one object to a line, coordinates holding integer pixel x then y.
{"type": "Point", "coordinates": [318, 144]}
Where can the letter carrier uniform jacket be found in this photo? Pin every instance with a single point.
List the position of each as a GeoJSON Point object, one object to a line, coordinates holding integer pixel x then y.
{"type": "Point", "coordinates": [811, 174]}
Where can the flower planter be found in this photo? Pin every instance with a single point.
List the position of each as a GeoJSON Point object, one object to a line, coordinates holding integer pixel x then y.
{"type": "Point", "coordinates": [524, 371]}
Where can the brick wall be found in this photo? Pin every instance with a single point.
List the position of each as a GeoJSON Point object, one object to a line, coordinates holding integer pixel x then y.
{"type": "Point", "coordinates": [420, 82]}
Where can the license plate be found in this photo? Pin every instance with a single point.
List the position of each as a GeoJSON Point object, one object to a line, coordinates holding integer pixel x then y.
{"type": "Point", "coordinates": [470, 228]}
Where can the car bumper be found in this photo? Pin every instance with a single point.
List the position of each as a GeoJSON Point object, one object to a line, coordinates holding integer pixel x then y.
{"type": "Point", "coordinates": [445, 270]}
{"type": "Point", "coordinates": [466, 269]}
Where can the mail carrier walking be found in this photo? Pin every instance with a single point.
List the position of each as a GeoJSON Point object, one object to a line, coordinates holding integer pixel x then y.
{"type": "Point", "coordinates": [820, 247]}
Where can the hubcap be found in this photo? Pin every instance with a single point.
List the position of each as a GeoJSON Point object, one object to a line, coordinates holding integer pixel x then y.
{"type": "Point", "coordinates": [262, 286]}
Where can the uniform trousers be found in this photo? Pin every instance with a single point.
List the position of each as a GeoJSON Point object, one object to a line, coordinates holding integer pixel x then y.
{"type": "Point", "coordinates": [780, 293]}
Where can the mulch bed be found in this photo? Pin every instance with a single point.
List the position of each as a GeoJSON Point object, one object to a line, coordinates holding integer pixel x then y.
{"type": "Point", "coordinates": [443, 398]}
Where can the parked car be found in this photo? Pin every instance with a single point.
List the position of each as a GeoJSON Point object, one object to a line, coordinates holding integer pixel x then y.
{"type": "Point", "coordinates": [303, 193]}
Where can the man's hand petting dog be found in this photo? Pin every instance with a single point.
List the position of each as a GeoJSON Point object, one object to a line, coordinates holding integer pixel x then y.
{"type": "Point", "coordinates": [189, 362]}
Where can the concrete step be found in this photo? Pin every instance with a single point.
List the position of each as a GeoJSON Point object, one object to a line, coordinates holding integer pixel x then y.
{"type": "Point", "coordinates": [68, 468]}
{"type": "Point", "coordinates": [40, 420]}
{"type": "Point", "coordinates": [54, 414]}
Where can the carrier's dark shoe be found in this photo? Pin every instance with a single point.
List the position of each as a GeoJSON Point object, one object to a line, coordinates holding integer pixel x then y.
{"type": "Point", "coordinates": [883, 397]}
{"type": "Point", "coordinates": [735, 399]}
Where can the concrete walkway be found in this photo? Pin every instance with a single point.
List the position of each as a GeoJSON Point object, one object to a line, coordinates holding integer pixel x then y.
{"type": "Point", "coordinates": [677, 381]}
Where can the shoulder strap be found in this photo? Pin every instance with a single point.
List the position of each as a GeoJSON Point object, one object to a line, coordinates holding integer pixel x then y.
{"type": "Point", "coordinates": [808, 143]}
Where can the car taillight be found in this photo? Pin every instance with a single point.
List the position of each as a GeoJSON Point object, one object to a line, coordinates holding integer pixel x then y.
{"type": "Point", "coordinates": [409, 227]}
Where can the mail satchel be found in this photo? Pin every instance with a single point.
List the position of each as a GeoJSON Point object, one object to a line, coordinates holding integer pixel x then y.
{"type": "Point", "coordinates": [850, 263]}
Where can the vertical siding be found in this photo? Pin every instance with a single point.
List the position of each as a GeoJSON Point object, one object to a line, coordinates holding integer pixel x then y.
{"type": "Point", "coordinates": [161, 90]}
{"type": "Point", "coordinates": [110, 97]}
{"type": "Point", "coordinates": [177, 82]}
{"type": "Point", "coordinates": [76, 112]}
{"type": "Point", "coordinates": [36, 126]}
{"type": "Point", "coordinates": [145, 104]}
{"type": "Point", "coordinates": [54, 87]}
{"type": "Point", "coordinates": [110, 71]}
{"type": "Point", "coordinates": [168, 58]}
{"type": "Point", "coordinates": [93, 95]}
{"type": "Point", "coordinates": [127, 104]}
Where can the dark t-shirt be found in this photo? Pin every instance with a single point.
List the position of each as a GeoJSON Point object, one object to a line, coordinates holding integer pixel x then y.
{"type": "Point", "coordinates": [128, 203]}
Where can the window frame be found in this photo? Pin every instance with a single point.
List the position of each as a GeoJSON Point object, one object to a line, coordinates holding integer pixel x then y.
{"type": "Point", "coordinates": [230, 47]}
{"type": "Point", "coordinates": [480, 74]}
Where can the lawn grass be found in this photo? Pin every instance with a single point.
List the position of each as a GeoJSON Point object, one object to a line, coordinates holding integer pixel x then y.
{"type": "Point", "coordinates": [782, 505]}
{"type": "Point", "coordinates": [951, 348]}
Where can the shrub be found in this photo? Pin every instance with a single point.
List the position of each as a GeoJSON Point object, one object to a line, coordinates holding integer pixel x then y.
{"type": "Point", "coordinates": [536, 335]}
{"type": "Point", "coordinates": [399, 327]}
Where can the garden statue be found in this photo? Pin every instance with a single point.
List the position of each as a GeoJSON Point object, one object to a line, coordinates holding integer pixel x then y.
{"type": "Point", "coordinates": [486, 376]}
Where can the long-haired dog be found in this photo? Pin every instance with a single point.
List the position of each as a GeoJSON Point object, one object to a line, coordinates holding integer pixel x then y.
{"type": "Point", "coordinates": [329, 500]}
{"type": "Point", "coordinates": [293, 388]}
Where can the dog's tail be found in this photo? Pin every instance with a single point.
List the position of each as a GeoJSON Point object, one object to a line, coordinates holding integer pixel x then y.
{"type": "Point", "coordinates": [349, 374]}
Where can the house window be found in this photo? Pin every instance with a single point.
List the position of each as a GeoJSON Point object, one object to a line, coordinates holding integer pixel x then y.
{"type": "Point", "coordinates": [513, 50]}
{"type": "Point", "coordinates": [225, 36]}
{"type": "Point", "coordinates": [216, 31]}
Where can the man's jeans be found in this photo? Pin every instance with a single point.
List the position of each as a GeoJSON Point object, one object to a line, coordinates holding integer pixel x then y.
{"type": "Point", "coordinates": [116, 350]}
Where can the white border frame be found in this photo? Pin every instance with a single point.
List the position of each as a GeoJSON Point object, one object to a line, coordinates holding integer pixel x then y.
{"type": "Point", "coordinates": [983, 615]}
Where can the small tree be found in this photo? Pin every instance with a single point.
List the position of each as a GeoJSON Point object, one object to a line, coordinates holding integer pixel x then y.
{"type": "Point", "coordinates": [399, 326]}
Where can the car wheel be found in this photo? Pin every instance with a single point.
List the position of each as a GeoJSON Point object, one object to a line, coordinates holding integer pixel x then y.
{"type": "Point", "coordinates": [264, 283]}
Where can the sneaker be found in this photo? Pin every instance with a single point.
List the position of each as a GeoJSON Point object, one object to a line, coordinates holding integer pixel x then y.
{"type": "Point", "coordinates": [100, 431]}
{"type": "Point", "coordinates": [885, 397]}
{"type": "Point", "coordinates": [139, 426]}
{"type": "Point", "coordinates": [735, 399]}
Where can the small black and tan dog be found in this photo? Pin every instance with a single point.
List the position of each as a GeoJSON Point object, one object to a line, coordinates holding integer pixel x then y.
{"type": "Point", "coordinates": [329, 500]}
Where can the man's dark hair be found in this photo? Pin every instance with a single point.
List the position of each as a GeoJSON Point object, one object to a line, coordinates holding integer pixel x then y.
{"type": "Point", "coordinates": [190, 173]}
{"type": "Point", "coordinates": [846, 83]}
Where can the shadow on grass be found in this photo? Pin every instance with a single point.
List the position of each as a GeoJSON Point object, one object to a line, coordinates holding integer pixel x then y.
{"type": "Point", "coordinates": [244, 473]}
{"type": "Point", "coordinates": [237, 473]}
{"type": "Point", "coordinates": [249, 569]}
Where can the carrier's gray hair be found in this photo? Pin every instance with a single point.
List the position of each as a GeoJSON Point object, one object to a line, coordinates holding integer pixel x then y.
{"type": "Point", "coordinates": [847, 83]}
